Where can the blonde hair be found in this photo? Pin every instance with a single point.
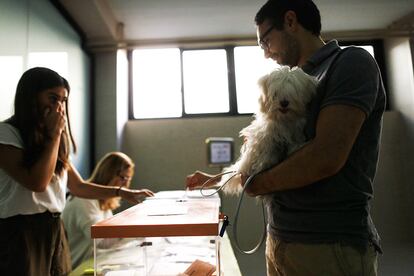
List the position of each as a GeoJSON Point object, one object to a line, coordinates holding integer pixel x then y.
{"type": "Point", "coordinates": [110, 166]}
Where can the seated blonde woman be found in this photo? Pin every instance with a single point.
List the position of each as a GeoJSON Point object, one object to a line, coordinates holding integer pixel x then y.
{"type": "Point", "coordinates": [114, 169]}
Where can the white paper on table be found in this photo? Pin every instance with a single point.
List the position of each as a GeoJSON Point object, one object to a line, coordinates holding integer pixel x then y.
{"type": "Point", "coordinates": [168, 269]}
{"type": "Point", "coordinates": [121, 273]}
{"type": "Point", "coordinates": [179, 194]}
{"type": "Point", "coordinates": [167, 210]}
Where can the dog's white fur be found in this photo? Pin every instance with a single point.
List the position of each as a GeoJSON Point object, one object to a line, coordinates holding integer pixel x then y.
{"type": "Point", "coordinates": [278, 127]}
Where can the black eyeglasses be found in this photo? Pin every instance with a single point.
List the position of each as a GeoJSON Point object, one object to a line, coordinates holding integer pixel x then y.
{"type": "Point", "coordinates": [264, 43]}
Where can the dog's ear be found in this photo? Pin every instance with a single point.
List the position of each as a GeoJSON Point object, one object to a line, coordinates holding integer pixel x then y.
{"type": "Point", "coordinates": [262, 82]}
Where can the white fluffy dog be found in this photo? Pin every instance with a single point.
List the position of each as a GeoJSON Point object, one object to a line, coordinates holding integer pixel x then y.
{"type": "Point", "coordinates": [278, 127]}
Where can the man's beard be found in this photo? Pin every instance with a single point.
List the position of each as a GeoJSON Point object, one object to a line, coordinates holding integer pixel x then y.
{"type": "Point", "coordinates": [290, 55]}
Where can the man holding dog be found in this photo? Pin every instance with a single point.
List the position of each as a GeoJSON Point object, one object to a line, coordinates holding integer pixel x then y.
{"type": "Point", "coordinates": [318, 219]}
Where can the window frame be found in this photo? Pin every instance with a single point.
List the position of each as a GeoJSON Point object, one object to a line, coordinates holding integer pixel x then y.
{"type": "Point", "coordinates": [377, 44]}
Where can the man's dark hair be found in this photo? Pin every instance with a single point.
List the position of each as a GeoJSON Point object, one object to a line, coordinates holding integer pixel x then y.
{"type": "Point", "coordinates": [306, 12]}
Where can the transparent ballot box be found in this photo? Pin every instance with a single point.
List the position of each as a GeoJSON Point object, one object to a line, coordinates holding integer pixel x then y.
{"type": "Point", "coordinates": [160, 237]}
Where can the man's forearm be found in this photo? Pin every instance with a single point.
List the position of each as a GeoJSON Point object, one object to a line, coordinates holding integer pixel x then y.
{"type": "Point", "coordinates": [313, 163]}
{"type": "Point", "coordinates": [336, 131]}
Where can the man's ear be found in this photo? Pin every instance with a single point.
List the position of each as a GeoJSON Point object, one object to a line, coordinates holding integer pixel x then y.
{"type": "Point", "coordinates": [291, 21]}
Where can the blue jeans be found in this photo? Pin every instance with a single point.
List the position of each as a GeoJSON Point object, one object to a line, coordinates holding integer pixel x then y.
{"type": "Point", "coordinates": [323, 259]}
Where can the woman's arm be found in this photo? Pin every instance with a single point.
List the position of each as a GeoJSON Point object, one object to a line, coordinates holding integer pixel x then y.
{"type": "Point", "coordinates": [80, 188]}
{"type": "Point", "coordinates": [40, 174]}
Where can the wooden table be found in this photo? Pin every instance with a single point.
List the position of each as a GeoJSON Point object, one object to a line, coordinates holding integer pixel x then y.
{"type": "Point", "coordinates": [168, 214]}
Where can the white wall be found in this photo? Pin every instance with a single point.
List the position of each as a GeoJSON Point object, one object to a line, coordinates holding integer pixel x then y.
{"type": "Point", "coordinates": [28, 26]}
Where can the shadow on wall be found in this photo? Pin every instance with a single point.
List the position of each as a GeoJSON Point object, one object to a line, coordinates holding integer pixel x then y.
{"type": "Point", "coordinates": [393, 192]}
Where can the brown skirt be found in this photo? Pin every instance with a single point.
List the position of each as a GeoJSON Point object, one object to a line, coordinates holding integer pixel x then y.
{"type": "Point", "coordinates": [33, 245]}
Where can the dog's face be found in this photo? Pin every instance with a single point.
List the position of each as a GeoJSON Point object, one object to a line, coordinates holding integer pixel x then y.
{"type": "Point", "coordinates": [285, 93]}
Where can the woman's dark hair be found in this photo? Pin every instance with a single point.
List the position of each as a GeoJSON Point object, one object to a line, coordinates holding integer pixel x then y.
{"type": "Point", "coordinates": [27, 117]}
{"type": "Point", "coordinates": [306, 12]}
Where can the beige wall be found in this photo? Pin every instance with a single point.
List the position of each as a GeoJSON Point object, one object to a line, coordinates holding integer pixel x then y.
{"type": "Point", "coordinates": [395, 176]}
{"type": "Point", "coordinates": [165, 151]}
{"type": "Point", "coordinates": [399, 65]}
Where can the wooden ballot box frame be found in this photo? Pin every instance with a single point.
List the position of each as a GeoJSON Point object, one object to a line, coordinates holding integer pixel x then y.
{"type": "Point", "coordinates": [160, 217]}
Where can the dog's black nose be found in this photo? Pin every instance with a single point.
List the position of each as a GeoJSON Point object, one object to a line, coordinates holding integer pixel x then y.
{"type": "Point", "coordinates": [284, 103]}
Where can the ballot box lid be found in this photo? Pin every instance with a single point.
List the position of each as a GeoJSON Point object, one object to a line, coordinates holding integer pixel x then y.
{"type": "Point", "coordinates": [162, 218]}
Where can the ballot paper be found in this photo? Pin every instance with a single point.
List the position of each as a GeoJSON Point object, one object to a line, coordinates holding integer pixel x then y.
{"type": "Point", "coordinates": [179, 194]}
{"type": "Point", "coordinates": [123, 273]}
{"type": "Point", "coordinates": [167, 210]}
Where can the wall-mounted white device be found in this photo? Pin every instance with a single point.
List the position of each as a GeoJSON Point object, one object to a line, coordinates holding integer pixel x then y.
{"type": "Point", "coordinates": [220, 151]}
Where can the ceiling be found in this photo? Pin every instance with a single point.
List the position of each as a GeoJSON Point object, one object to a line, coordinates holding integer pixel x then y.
{"type": "Point", "coordinates": [130, 23]}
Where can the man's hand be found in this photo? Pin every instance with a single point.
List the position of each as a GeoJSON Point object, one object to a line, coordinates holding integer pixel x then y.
{"type": "Point", "coordinates": [197, 179]}
{"type": "Point", "coordinates": [250, 189]}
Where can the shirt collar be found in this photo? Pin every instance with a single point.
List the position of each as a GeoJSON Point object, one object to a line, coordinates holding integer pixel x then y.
{"type": "Point", "coordinates": [322, 54]}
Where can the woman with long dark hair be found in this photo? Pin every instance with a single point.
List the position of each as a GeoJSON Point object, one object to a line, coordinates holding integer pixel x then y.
{"type": "Point", "coordinates": [35, 171]}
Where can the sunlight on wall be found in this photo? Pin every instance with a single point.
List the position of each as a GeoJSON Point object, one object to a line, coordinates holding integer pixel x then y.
{"type": "Point", "coordinates": [11, 68]}
{"type": "Point", "coordinates": [367, 48]}
{"type": "Point", "coordinates": [121, 94]}
{"type": "Point", "coordinates": [205, 81]}
{"type": "Point", "coordinates": [57, 61]}
{"type": "Point", "coordinates": [250, 65]}
{"type": "Point", "coordinates": [400, 77]}
{"type": "Point", "coordinates": [157, 83]}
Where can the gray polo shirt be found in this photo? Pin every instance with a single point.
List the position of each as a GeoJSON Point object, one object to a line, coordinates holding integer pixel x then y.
{"type": "Point", "coordinates": [336, 209]}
